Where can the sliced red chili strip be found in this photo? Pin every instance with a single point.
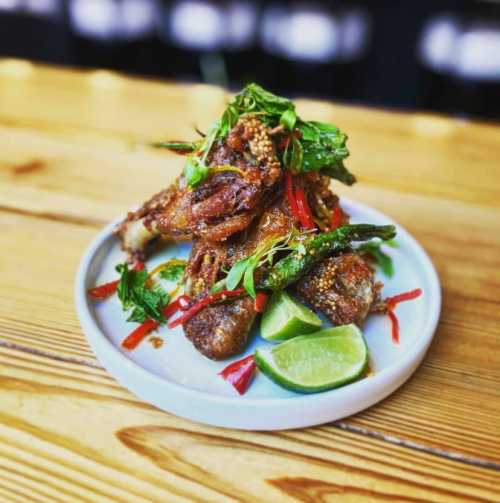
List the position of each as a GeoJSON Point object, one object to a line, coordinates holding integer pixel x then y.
{"type": "Point", "coordinates": [395, 326]}
{"type": "Point", "coordinates": [240, 373]}
{"type": "Point", "coordinates": [336, 218]}
{"type": "Point", "coordinates": [305, 214]}
{"type": "Point", "coordinates": [202, 303]}
{"type": "Point", "coordinates": [134, 338]}
{"type": "Point", "coordinates": [260, 302]}
{"type": "Point", "coordinates": [103, 291]}
{"type": "Point", "coordinates": [107, 289]}
{"type": "Point", "coordinates": [170, 309]}
{"type": "Point", "coordinates": [403, 297]}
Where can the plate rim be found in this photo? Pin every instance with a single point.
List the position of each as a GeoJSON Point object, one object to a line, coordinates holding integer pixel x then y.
{"type": "Point", "coordinates": [110, 357]}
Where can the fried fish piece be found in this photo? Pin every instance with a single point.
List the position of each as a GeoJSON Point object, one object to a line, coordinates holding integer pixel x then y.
{"type": "Point", "coordinates": [342, 287]}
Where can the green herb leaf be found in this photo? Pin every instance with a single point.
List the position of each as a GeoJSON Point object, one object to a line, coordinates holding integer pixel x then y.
{"type": "Point", "coordinates": [136, 296]}
{"type": "Point", "coordinates": [248, 281]}
{"type": "Point", "coordinates": [173, 272]}
{"type": "Point", "coordinates": [219, 286]}
{"type": "Point", "coordinates": [382, 259]}
{"type": "Point", "coordinates": [288, 119]}
{"type": "Point", "coordinates": [236, 273]}
{"type": "Point", "coordinates": [195, 171]}
{"type": "Point", "coordinates": [324, 148]}
{"type": "Point", "coordinates": [254, 98]}
{"type": "Point", "coordinates": [176, 146]}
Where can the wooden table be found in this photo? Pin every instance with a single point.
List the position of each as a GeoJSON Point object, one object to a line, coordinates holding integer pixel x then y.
{"type": "Point", "coordinates": [72, 158]}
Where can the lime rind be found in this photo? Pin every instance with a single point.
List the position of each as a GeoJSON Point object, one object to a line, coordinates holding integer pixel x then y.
{"type": "Point", "coordinates": [324, 360]}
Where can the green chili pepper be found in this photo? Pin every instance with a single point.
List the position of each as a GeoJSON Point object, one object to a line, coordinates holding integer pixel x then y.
{"type": "Point", "coordinates": [289, 269]}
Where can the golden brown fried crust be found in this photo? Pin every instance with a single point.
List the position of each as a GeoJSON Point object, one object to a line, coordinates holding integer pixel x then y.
{"type": "Point", "coordinates": [222, 330]}
{"type": "Point", "coordinates": [342, 287]}
{"type": "Point", "coordinates": [245, 171]}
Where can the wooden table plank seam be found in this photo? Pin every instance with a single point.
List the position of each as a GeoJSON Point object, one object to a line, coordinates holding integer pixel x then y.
{"type": "Point", "coordinates": [362, 431]}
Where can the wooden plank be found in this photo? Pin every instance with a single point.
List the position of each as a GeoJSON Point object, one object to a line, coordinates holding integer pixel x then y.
{"type": "Point", "coordinates": [36, 312]}
{"type": "Point", "coordinates": [86, 142]}
{"type": "Point", "coordinates": [135, 452]}
{"type": "Point", "coordinates": [73, 157]}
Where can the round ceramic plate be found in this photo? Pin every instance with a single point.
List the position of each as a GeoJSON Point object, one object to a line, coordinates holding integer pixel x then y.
{"type": "Point", "coordinates": [178, 379]}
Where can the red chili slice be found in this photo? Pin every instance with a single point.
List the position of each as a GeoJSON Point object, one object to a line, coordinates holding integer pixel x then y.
{"type": "Point", "coordinates": [135, 338]}
{"type": "Point", "coordinates": [202, 303]}
{"type": "Point", "coordinates": [305, 214]}
{"type": "Point", "coordinates": [260, 302]}
{"type": "Point", "coordinates": [240, 373]}
{"type": "Point", "coordinates": [336, 218]}
{"type": "Point", "coordinates": [403, 297]}
{"type": "Point", "coordinates": [391, 303]}
{"type": "Point", "coordinates": [395, 326]}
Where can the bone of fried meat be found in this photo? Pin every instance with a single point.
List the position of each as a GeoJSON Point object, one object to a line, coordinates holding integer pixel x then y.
{"type": "Point", "coordinates": [244, 170]}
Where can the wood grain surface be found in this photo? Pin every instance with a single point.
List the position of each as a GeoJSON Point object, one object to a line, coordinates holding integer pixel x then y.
{"type": "Point", "coordinates": [73, 156]}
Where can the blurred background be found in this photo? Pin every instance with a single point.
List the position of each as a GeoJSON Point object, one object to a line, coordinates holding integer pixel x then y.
{"type": "Point", "coordinates": [440, 55]}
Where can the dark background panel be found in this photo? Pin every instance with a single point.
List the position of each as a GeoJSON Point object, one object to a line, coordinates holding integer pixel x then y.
{"type": "Point", "coordinates": [441, 55]}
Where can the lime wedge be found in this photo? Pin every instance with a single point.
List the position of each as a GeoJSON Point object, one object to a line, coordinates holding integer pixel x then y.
{"type": "Point", "coordinates": [285, 318]}
{"type": "Point", "coordinates": [316, 362]}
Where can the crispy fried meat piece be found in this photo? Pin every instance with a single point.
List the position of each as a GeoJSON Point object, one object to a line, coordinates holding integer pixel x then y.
{"type": "Point", "coordinates": [221, 330]}
{"type": "Point", "coordinates": [342, 287]}
{"type": "Point", "coordinates": [244, 171]}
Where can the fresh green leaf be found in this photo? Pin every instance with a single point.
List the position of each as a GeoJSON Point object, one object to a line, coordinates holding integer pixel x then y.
{"type": "Point", "coordinates": [339, 172]}
{"type": "Point", "coordinates": [176, 146]}
{"type": "Point", "coordinates": [254, 98]}
{"type": "Point", "coordinates": [228, 121]}
{"type": "Point", "coordinates": [373, 248]}
{"type": "Point", "coordinates": [236, 273]}
{"type": "Point", "coordinates": [248, 280]}
{"type": "Point", "coordinates": [392, 243]}
{"type": "Point", "coordinates": [288, 119]}
{"type": "Point", "coordinates": [195, 171]}
{"type": "Point", "coordinates": [173, 272]}
{"type": "Point", "coordinates": [219, 286]}
{"type": "Point", "coordinates": [135, 295]}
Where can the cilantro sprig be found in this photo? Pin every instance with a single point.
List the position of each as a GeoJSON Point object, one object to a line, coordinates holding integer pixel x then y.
{"type": "Point", "coordinates": [141, 300]}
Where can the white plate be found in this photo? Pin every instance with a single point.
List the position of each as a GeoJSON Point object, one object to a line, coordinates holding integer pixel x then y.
{"type": "Point", "coordinates": [178, 379]}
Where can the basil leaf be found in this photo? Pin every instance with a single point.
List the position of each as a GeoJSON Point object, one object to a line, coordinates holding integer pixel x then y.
{"type": "Point", "coordinates": [288, 119]}
{"type": "Point", "coordinates": [309, 131]}
{"type": "Point", "coordinates": [236, 273]}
